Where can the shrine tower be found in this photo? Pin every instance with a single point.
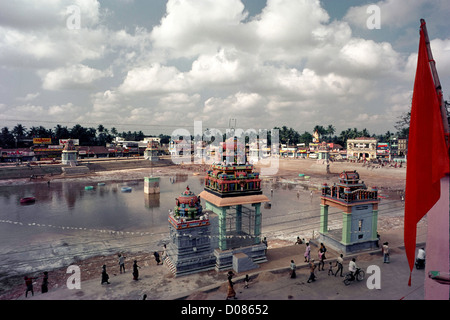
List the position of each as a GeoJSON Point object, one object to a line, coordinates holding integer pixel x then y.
{"type": "Point", "coordinates": [233, 192]}
{"type": "Point", "coordinates": [359, 207]}
{"type": "Point", "coordinates": [151, 152]}
{"type": "Point", "coordinates": [69, 154]}
{"type": "Point", "coordinates": [189, 249]}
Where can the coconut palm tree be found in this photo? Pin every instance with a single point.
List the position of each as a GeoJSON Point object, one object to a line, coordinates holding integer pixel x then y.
{"type": "Point", "coordinates": [19, 132]}
{"type": "Point", "coordinates": [330, 130]}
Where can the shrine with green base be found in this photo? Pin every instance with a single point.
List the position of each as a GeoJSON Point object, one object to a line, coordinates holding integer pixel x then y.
{"type": "Point", "coordinates": [359, 207]}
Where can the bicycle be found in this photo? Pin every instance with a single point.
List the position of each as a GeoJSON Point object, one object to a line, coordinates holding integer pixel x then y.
{"type": "Point", "coordinates": [359, 276]}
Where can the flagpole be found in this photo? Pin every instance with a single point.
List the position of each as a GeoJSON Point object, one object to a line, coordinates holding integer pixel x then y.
{"type": "Point", "coordinates": [437, 82]}
{"type": "Point", "coordinates": [440, 95]}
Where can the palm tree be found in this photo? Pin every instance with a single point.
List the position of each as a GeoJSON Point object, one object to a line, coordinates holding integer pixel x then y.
{"type": "Point", "coordinates": [320, 130]}
{"type": "Point", "coordinates": [19, 131]}
{"type": "Point", "coordinates": [330, 130]}
{"type": "Point", "coordinates": [6, 138]}
{"type": "Point", "coordinates": [61, 132]}
{"type": "Point", "coordinates": [365, 133]}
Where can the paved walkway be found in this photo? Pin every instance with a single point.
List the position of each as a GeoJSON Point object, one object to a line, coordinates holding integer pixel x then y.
{"type": "Point", "coordinates": [269, 282]}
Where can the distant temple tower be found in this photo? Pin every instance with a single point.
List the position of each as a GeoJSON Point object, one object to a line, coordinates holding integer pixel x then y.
{"type": "Point", "coordinates": [233, 192]}
{"type": "Point", "coordinates": [189, 250]}
{"type": "Point", "coordinates": [359, 206]}
{"type": "Point", "coordinates": [69, 154]}
{"type": "Point", "coordinates": [151, 152]}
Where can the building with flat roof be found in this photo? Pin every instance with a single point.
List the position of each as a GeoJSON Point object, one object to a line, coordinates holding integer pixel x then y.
{"type": "Point", "coordinates": [362, 148]}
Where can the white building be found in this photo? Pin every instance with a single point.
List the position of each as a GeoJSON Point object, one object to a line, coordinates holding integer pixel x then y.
{"type": "Point", "coordinates": [362, 148]}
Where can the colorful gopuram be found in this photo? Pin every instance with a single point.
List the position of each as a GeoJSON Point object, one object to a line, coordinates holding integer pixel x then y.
{"type": "Point", "coordinates": [189, 249]}
{"type": "Point", "coordinates": [359, 206]}
{"type": "Point", "coordinates": [231, 180]}
{"type": "Point", "coordinates": [233, 193]}
{"type": "Point", "coordinates": [188, 205]}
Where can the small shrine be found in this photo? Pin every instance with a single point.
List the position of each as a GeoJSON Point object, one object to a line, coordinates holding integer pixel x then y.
{"type": "Point", "coordinates": [359, 206]}
{"type": "Point", "coordinates": [69, 154]}
{"type": "Point", "coordinates": [151, 152]}
{"type": "Point", "coordinates": [233, 192]}
{"type": "Point", "coordinates": [151, 185]}
{"type": "Point", "coordinates": [190, 249]}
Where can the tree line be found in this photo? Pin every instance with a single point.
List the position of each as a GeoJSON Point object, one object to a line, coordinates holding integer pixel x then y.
{"type": "Point", "coordinates": [291, 137]}
{"type": "Point", "coordinates": [20, 136]}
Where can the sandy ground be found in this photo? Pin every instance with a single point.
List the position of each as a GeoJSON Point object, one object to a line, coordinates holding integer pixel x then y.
{"type": "Point", "coordinates": [387, 179]}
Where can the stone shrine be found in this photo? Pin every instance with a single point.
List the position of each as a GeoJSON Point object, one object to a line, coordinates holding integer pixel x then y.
{"type": "Point", "coordinates": [151, 152]}
{"type": "Point", "coordinates": [69, 154]}
{"type": "Point", "coordinates": [189, 249]}
{"type": "Point", "coordinates": [359, 206]}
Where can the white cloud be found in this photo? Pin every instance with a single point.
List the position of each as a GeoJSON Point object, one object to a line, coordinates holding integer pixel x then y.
{"type": "Point", "coordinates": [284, 21]}
{"type": "Point", "coordinates": [223, 67]}
{"type": "Point", "coordinates": [393, 13]}
{"type": "Point", "coordinates": [293, 63]}
{"type": "Point", "coordinates": [74, 76]}
{"type": "Point", "coordinates": [153, 79]}
{"type": "Point", "coordinates": [43, 14]}
{"type": "Point", "coordinates": [193, 27]}
{"type": "Point", "coordinates": [29, 97]}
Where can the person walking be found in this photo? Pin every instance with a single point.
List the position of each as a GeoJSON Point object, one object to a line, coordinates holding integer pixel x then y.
{"type": "Point", "coordinates": [339, 264]}
{"type": "Point", "coordinates": [44, 286]}
{"type": "Point", "coordinates": [292, 271]}
{"type": "Point", "coordinates": [105, 276]}
{"type": "Point", "coordinates": [246, 281]}
{"type": "Point", "coordinates": [156, 254]}
{"type": "Point", "coordinates": [322, 257]}
{"type": "Point", "coordinates": [121, 263]}
{"type": "Point", "coordinates": [330, 269]}
{"type": "Point", "coordinates": [29, 285]}
{"type": "Point", "coordinates": [164, 253]}
{"type": "Point", "coordinates": [307, 252]}
{"type": "Point", "coordinates": [386, 252]}
{"type": "Point", "coordinates": [264, 241]}
{"type": "Point", "coordinates": [312, 267]}
{"type": "Point", "coordinates": [135, 270]}
{"type": "Point", "coordinates": [230, 292]}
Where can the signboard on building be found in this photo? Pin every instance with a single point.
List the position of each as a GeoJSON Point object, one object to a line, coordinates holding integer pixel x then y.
{"type": "Point", "coordinates": [76, 142]}
{"type": "Point", "coordinates": [383, 150]}
{"type": "Point", "coordinates": [42, 140]}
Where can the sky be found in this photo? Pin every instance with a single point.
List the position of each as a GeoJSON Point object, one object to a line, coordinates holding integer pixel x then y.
{"type": "Point", "coordinates": [157, 66]}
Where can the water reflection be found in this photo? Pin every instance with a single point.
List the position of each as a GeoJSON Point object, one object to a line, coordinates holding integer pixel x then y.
{"type": "Point", "coordinates": [104, 219]}
{"type": "Point", "coordinates": [152, 200]}
{"type": "Point", "coordinates": [70, 203]}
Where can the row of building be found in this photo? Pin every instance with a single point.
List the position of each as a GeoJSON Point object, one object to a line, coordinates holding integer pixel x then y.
{"type": "Point", "coordinates": [44, 150]}
{"type": "Point", "coordinates": [364, 148]}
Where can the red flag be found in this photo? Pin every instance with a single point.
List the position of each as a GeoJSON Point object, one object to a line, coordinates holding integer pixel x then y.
{"type": "Point", "coordinates": [428, 159]}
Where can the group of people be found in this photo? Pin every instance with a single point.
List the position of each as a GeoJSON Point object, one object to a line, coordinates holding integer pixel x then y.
{"type": "Point", "coordinates": [231, 293]}
{"type": "Point", "coordinates": [322, 256]}
{"type": "Point", "coordinates": [135, 273]}
{"type": "Point", "coordinates": [104, 274]}
{"type": "Point", "coordinates": [29, 284]}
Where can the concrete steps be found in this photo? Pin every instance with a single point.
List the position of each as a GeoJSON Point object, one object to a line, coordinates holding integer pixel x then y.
{"type": "Point", "coordinates": [242, 262]}
{"type": "Point", "coordinates": [75, 170]}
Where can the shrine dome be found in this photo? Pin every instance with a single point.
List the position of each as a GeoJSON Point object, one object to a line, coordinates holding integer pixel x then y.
{"type": "Point", "coordinates": [188, 205]}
